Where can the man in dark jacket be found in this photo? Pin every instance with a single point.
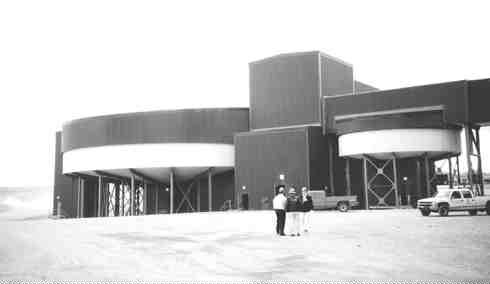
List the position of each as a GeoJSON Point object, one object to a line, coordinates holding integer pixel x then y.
{"type": "Point", "coordinates": [306, 206]}
{"type": "Point", "coordinates": [293, 209]}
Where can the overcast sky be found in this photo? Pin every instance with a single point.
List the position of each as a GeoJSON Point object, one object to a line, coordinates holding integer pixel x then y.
{"type": "Point", "coordinates": [61, 60]}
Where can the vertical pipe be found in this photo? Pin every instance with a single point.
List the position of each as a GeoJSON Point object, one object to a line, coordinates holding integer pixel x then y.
{"type": "Point", "coordinates": [451, 178]}
{"type": "Point", "coordinates": [469, 151]}
{"type": "Point", "coordinates": [347, 177]}
{"type": "Point", "coordinates": [131, 196]}
{"type": "Point", "coordinates": [198, 195]}
{"type": "Point", "coordinates": [171, 192]}
{"type": "Point", "coordinates": [427, 175]}
{"type": "Point", "coordinates": [210, 190]}
{"type": "Point", "coordinates": [395, 182]}
{"type": "Point", "coordinates": [99, 198]}
{"type": "Point", "coordinates": [366, 186]}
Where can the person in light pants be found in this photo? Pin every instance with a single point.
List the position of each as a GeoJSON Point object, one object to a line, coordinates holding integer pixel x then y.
{"type": "Point", "coordinates": [293, 209]}
{"type": "Point", "coordinates": [306, 206]}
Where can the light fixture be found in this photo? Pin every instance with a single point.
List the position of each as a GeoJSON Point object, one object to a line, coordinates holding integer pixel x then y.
{"type": "Point", "coordinates": [281, 176]}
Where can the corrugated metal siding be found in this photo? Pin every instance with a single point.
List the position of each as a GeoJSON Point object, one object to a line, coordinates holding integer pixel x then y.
{"type": "Point", "coordinates": [433, 119]}
{"type": "Point", "coordinates": [194, 125]}
{"type": "Point", "coordinates": [360, 87]}
{"type": "Point", "coordinates": [318, 159]}
{"type": "Point", "coordinates": [284, 90]}
{"type": "Point", "coordinates": [479, 101]}
{"type": "Point", "coordinates": [337, 77]}
{"type": "Point", "coordinates": [262, 156]}
{"type": "Point", "coordinates": [451, 95]}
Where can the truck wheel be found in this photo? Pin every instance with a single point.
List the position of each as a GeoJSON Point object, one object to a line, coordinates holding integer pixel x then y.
{"type": "Point", "coordinates": [343, 206]}
{"type": "Point", "coordinates": [425, 212]}
{"type": "Point", "coordinates": [473, 212]}
{"type": "Point", "coordinates": [443, 210]}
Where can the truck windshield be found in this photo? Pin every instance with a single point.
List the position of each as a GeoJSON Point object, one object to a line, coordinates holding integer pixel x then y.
{"type": "Point", "coordinates": [442, 194]}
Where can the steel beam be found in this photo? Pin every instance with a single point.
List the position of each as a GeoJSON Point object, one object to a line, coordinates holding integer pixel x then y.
{"type": "Point", "coordinates": [419, 179]}
{"type": "Point", "coordinates": [112, 177]}
{"type": "Point", "coordinates": [144, 177]}
{"type": "Point", "coordinates": [458, 173]}
{"type": "Point", "coordinates": [347, 177]}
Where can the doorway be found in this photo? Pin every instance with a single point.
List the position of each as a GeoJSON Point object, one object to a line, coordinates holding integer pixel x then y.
{"type": "Point", "coordinates": [244, 201]}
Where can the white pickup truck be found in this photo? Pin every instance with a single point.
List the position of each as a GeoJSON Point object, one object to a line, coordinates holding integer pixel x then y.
{"type": "Point", "coordinates": [454, 200]}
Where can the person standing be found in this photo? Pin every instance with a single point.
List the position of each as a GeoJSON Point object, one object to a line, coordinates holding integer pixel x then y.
{"type": "Point", "coordinates": [306, 206]}
{"type": "Point", "coordinates": [279, 204]}
{"type": "Point", "coordinates": [293, 208]}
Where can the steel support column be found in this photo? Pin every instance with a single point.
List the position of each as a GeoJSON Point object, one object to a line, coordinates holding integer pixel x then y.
{"type": "Point", "coordinates": [331, 165]}
{"type": "Point", "coordinates": [157, 188]}
{"type": "Point", "coordinates": [451, 179]}
{"type": "Point", "coordinates": [395, 182]}
{"type": "Point", "coordinates": [480, 171]}
{"type": "Point", "coordinates": [427, 176]}
{"type": "Point", "coordinates": [99, 200]}
{"type": "Point", "coordinates": [469, 151]}
{"type": "Point", "coordinates": [123, 189]}
{"type": "Point", "coordinates": [210, 190]}
{"type": "Point", "coordinates": [117, 198]}
{"type": "Point", "coordinates": [366, 186]}
{"type": "Point", "coordinates": [347, 177]}
{"type": "Point", "coordinates": [131, 196]}
{"type": "Point", "coordinates": [171, 192]}
{"type": "Point", "coordinates": [457, 171]}
{"type": "Point", "coordinates": [419, 179]}
{"type": "Point", "coordinates": [79, 180]}
{"type": "Point", "coordinates": [145, 196]}
{"type": "Point", "coordinates": [198, 195]}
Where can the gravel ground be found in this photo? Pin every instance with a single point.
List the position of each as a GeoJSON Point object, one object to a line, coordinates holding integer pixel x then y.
{"type": "Point", "coordinates": [242, 246]}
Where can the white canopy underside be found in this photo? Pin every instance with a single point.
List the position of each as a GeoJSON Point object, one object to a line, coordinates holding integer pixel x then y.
{"type": "Point", "coordinates": [402, 143]}
{"type": "Point", "coordinates": [154, 160]}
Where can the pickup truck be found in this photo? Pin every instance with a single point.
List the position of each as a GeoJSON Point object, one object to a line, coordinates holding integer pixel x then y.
{"type": "Point", "coordinates": [454, 200]}
{"type": "Point", "coordinates": [341, 203]}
